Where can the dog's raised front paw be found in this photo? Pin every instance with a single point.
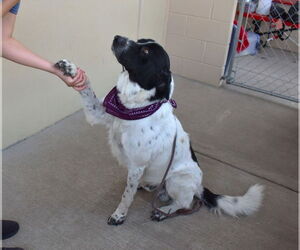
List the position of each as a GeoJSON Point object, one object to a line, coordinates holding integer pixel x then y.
{"type": "Point", "coordinates": [67, 67]}
{"type": "Point", "coordinates": [157, 216]}
{"type": "Point", "coordinates": [116, 220]}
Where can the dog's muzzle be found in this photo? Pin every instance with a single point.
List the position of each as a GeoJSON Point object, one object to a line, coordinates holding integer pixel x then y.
{"type": "Point", "coordinates": [119, 45]}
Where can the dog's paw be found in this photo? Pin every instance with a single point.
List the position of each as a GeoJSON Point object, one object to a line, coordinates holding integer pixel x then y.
{"type": "Point", "coordinates": [67, 67]}
{"type": "Point", "coordinates": [148, 188]}
{"type": "Point", "coordinates": [157, 216]}
{"type": "Point", "coordinates": [116, 220]}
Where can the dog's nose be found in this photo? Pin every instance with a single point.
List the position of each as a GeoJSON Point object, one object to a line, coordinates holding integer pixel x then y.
{"type": "Point", "coordinates": [117, 37]}
{"type": "Point", "coordinates": [119, 44]}
{"type": "Point", "coordinates": [121, 40]}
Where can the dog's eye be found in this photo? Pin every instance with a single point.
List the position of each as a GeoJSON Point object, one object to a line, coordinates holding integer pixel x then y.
{"type": "Point", "coordinates": [145, 50]}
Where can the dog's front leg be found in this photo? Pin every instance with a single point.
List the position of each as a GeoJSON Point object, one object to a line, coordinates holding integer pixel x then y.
{"type": "Point", "coordinates": [134, 176]}
{"type": "Point", "coordinates": [92, 106]}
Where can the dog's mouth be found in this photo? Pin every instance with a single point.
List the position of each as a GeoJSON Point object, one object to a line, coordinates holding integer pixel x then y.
{"type": "Point", "coordinates": [119, 45]}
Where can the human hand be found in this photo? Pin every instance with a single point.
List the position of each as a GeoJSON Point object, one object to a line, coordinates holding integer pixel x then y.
{"type": "Point", "coordinates": [81, 82]}
{"type": "Point", "coordinates": [78, 82]}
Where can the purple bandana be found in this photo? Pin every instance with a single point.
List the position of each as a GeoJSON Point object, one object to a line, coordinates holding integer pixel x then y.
{"type": "Point", "coordinates": [114, 107]}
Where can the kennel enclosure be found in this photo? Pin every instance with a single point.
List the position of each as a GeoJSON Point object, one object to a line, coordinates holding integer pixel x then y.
{"type": "Point", "coordinates": [263, 54]}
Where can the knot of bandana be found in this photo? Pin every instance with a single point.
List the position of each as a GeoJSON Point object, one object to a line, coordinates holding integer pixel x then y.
{"type": "Point", "coordinates": [114, 107]}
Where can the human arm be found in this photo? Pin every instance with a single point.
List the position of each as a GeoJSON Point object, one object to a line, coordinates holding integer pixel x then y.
{"type": "Point", "coordinates": [15, 51]}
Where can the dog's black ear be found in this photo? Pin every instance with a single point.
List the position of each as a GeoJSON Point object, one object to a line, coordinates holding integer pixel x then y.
{"type": "Point", "coordinates": [145, 40]}
{"type": "Point", "coordinates": [162, 86]}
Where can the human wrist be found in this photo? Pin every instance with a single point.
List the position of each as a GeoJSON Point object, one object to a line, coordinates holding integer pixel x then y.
{"type": "Point", "coordinates": [53, 70]}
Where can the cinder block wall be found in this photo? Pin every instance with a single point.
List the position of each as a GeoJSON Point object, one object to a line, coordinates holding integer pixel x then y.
{"type": "Point", "coordinates": [81, 31]}
{"type": "Point", "coordinates": [198, 35]}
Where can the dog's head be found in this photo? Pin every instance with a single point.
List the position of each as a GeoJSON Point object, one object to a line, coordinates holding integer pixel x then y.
{"type": "Point", "coordinates": [147, 64]}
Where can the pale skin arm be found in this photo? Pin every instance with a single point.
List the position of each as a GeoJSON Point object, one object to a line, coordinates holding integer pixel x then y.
{"type": "Point", "coordinates": [14, 51]}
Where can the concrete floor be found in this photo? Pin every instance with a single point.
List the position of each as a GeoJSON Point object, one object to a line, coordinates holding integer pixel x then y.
{"type": "Point", "coordinates": [273, 70]}
{"type": "Point", "coordinates": [62, 183]}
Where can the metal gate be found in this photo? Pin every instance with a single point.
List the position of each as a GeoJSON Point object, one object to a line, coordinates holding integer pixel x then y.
{"type": "Point", "coordinates": [263, 54]}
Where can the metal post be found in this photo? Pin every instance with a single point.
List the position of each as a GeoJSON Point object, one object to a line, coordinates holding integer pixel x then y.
{"type": "Point", "coordinates": [228, 74]}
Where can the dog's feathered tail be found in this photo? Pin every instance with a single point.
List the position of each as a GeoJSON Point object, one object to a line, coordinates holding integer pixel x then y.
{"type": "Point", "coordinates": [234, 205]}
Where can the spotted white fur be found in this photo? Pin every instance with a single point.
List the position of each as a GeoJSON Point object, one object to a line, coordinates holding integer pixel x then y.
{"type": "Point", "coordinates": [144, 147]}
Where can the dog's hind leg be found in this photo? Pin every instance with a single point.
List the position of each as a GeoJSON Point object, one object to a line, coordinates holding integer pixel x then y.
{"type": "Point", "coordinates": [181, 189]}
{"type": "Point", "coordinates": [163, 194]}
{"type": "Point", "coordinates": [134, 176]}
{"type": "Point", "coordinates": [148, 188]}
{"type": "Point", "coordinates": [183, 201]}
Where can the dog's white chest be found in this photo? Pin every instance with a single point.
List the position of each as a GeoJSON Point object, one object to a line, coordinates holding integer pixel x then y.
{"type": "Point", "coordinates": [115, 139]}
{"type": "Point", "coordinates": [141, 142]}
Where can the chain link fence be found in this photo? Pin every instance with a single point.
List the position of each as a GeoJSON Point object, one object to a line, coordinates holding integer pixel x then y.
{"type": "Point", "coordinates": [263, 55]}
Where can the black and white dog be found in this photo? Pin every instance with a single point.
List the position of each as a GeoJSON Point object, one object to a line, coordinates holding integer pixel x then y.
{"type": "Point", "coordinates": [144, 145]}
